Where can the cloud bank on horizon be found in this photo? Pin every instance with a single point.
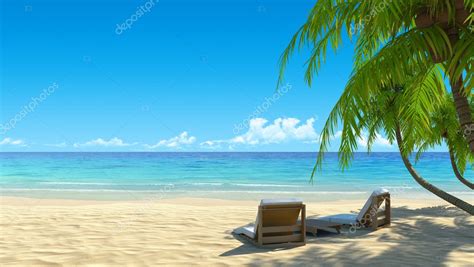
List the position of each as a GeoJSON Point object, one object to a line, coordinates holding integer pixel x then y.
{"type": "Point", "coordinates": [184, 139]}
{"type": "Point", "coordinates": [12, 142]}
{"type": "Point", "coordinates": [260, 133]}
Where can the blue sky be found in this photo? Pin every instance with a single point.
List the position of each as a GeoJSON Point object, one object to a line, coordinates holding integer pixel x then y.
{"type": "Point", "coordinates": [183, 76]}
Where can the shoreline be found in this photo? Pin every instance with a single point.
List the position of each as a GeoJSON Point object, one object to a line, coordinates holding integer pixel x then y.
{"type": "Point", "coordinates": [198, 201]}
{"type": "Point", "coordinates": [160, 195]}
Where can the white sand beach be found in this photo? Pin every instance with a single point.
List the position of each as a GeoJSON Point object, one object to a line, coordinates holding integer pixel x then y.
{"type": "Point", "coordinates": [181, 232]}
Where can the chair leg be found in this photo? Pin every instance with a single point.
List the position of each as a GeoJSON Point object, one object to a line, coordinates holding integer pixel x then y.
{"type": "Point", "coordinates": [375, 222]}
{"type": "Point", "coordinates": [388, 211]}
{"type": "Point", "coordinates": [303, 223]}
{"type": "Point", "coordinates": [259, 227]}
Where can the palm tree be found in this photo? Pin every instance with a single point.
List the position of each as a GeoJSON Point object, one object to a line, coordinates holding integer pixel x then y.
{"type": "Point", "coordinates": [412, 43]}
{"type": "Point", "coordinates": [438, 192]}
{"type": "Point", "coordinates": [456, 170]}
{"type": "Point", "coordinates": [395, 39]}
{"type": "Point", "coordinates": [383, 113]}
{"type": "Point", "coordinates": [444, 125]}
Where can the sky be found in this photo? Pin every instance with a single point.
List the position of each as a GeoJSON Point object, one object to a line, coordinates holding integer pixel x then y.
{"type": "Point", "coordinates": [167, 75]}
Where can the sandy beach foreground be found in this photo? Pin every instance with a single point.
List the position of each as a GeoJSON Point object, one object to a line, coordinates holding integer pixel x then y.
{"type": "Point", "coordinates": [198, 232]}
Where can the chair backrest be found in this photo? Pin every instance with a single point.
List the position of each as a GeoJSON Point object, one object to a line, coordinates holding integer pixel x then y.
{"type": "Point", "coordinates": [279, 214]}
{"type": "Point", "coordinates": [277, 222]}
{"type": "Point", "coordinates": [370, 213]}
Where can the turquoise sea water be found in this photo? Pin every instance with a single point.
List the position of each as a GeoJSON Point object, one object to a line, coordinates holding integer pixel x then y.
{"type": "Point", "coordinates": [216, 175]}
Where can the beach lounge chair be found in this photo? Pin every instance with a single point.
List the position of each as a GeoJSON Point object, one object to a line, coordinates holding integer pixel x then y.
{"type": "Point", "coordinates": [277, 224]}
{"type": "Point", "coordinates": [371, 215]}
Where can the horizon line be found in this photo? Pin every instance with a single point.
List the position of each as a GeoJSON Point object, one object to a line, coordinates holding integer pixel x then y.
{"type": "Point", "coordinates": [357, 152]}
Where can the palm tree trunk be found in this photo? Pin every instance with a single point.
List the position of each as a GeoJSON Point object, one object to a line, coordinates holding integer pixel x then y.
{"type": "Point", "coordinates": [425, 184]}
{"type": "Point", "coordinates": [457, 172]}
{"type": "Point", "coordinates": [464, 112]}
{"type": "Point", "coordinates": [461, 103]}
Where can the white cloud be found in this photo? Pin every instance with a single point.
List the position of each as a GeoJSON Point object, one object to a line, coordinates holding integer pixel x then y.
{"type": "Point", "coordinates": [260, 132]}
{"type": "Point", "coordinates": [175, 142]}
{"type": "Point", "coordinates": [11, 142]}
{"type": "Point", "coordinates": [214, 144]}
{"type": "Point", "coordinates": [281, 130]}
{"type": "Point", "coordinates": [382, 141]}
{"type": "Point", "coordinates": [208, 143]}
{"type": "Point", "coordinates": [114, 142]}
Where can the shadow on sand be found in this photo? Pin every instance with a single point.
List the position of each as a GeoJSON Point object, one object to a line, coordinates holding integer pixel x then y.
{"type": "Point", "coordinates": [415, 238]}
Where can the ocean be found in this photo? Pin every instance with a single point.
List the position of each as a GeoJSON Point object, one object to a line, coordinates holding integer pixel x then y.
{"type": "Point", "coordinates": [138, 176]}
